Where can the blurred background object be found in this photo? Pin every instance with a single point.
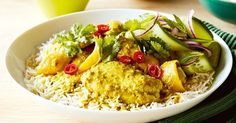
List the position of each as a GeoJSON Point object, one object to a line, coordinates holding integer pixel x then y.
{"type": "Point", "coordinates": [223, 9]}
{"type": "Point", "coordinates": [52, 8]}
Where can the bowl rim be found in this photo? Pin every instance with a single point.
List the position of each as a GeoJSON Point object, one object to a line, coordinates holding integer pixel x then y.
{"type": "Point", "coordinates": [206, 94]}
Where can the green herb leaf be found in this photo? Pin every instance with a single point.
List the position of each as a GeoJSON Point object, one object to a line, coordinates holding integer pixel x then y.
{"type": "Point", "coordinates": [67, 40]}
{"type": "Point", "coordinates": [146, 20]}
{"type": "Point", "coordinates": [76, 29]}
{"type": "Point", "coordinates": [155, 46]}
{"type": "Point", "coordinates": [62, 37]}
{"type": "Point", "coordinates": [132, 25]}
{"type": "Point", "coordinates": [77, 34]}
{"type": "Point", "coordinates": [142, 23]}
{"type": "Point", "coordinates": [160, 47]}
{"type": "Point", "coordinates": [83, 34]}
{"type": "Point", "coordinates": [110, 47]}
{"type": "Point", "coordinates": [174, 24]}
{"type": "Point", "coordinates": [72, 48]}
{"type": "Point", "coordinates": [182, 27]}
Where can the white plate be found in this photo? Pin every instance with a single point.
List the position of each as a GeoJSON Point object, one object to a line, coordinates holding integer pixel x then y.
{"type": "Point", "coordinates": [25, 44]}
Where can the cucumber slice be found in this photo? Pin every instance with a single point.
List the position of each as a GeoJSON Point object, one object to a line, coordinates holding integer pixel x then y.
{"type": "Point", "coordinates": [201, 65]}
{"type": "Point", "coordinates": [215, 49]}
{"type": "Point", "coordinates": [174, 44]}
{"type": "Point", "coordinates": [216, 52]}
{"type": "Point", "coordinates": [201, 31]}
{"type": "Point", "coordinates": [200, 40]}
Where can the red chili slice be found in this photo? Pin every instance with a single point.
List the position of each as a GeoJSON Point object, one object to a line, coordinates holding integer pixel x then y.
{"type": "Point", "coordinates": [125, 59]}
{"type": "Point", "coordinates": [102, 28]}
{"type": "Point", "coordinates": [139, 57]}
{"type": "Point", "coordinates": [155, 71]}
{"type": "Point", "coordinates": [70, 69]}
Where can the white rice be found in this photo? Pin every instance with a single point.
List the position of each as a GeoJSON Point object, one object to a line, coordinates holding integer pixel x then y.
{"type": "Point", "coordinates": [58, 91]}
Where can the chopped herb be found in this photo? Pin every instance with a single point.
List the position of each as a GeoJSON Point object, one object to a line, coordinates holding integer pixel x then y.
{"type": "Point", "coordinates": [111, 46]}
{"type": "Point", "coordinates": [179, 25]}
{"type": "Point", "coordinates": [182, 27]}
{"type": "Point", "coordinates": [76, 35]}
{"type": "Point", "coordinates": [132, 25]}
{"type": "Point", "coordinates": [83, 34]}
{"type": "Point", "coordinates": [160, 47]}
{"type": "Point", "coordinates": [142, 23]}
{"type": "Point", "coordinates": [67, 40]}
{"type": "Point", "coordinates": [155, 46]}
{"type": "Point", "coordinates": [71, 48]}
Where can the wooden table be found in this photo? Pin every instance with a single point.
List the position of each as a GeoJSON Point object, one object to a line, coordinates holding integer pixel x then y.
{"type": "Point", "coordinates": [17, 16]}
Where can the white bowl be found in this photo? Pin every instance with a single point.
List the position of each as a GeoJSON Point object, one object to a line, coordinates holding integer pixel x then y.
{"type": "Point", "coordinates": [25, 44]}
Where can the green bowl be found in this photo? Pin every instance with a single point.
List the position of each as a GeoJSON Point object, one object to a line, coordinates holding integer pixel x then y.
{"type": "Point", "coordinates": [223, 9]}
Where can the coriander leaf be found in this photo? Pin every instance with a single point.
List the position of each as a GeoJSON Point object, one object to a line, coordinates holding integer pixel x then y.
{"type": "Point", "coordinates": [132, 25]}
{"type": "Point", "coordinates": [83, 34]}
{"type": "Point", "coordinates": [108, 40]}
{"type": "Point", "coordinates": [161, 42]}
{"type": "Point", "coordinates": [155, 46]}
{"type": "Point", "coordinates": [76, 29]}
{"type": "Point", "coordinates": [110, 48]}
{"type": "Point", "coordinates": [87, 30]}
{"type": "Point", "coordinates": [71, 48]}
{"type": "Point", "coordinates": [145, 46]}
{"type": "Point", "coordinates": [142, 23]}
{"type": "Point", "coordinates": [160, 47]}
{"type": "Point", "coordinates": [107, 47]}
{"type": "Point", "coordinates": [67, 40]}
{"type": "Point", "coordinates": [78, 34]}
{"type": "Point", "coordinates": [61, 37]}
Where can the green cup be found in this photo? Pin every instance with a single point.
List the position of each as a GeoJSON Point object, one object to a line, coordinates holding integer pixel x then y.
{"type": "Point", "coordinates": [52, 8]}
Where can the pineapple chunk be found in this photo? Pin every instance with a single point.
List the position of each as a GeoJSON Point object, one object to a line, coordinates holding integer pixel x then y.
{"type": "Point", "coordinates": [173, 76]}
{"type": "Point", "coordinates": [52, 64]}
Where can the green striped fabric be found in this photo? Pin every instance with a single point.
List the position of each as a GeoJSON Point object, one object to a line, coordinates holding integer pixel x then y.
{"type": "Point", "coordinates": [221, 105]}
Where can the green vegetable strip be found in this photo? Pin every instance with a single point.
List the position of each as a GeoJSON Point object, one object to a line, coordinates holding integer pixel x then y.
{"type": "Point", "coordinates": [212, 109]}
{"type": "Point", "coordinates": [154, 46]}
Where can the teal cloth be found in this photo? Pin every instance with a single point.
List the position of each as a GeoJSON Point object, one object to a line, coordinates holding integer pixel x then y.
{"type": "Point", "coordinates": [221, 105]}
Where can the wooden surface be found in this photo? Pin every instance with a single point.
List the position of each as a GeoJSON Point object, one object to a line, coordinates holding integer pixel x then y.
{"type": "Point", "coordinates": [17, 16]}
